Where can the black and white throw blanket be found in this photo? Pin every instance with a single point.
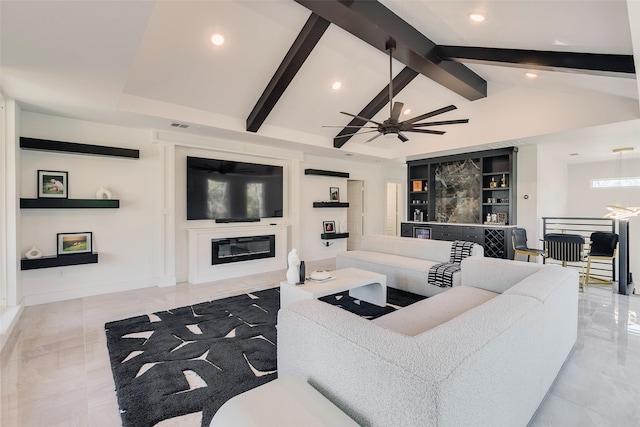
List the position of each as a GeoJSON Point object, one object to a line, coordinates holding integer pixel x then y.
{"type": "Point", "coordinates": [442, 274]}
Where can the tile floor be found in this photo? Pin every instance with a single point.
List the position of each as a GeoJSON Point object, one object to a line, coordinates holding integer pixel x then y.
{"type": "Point", "coordinates": [54, 371]}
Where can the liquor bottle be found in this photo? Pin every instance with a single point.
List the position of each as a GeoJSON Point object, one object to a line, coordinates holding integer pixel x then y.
{"type": "Point", "coordinates": [302, 272]}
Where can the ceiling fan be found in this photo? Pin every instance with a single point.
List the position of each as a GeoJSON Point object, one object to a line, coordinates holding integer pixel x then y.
{"type": "Point", "coordinates": [392, 126]}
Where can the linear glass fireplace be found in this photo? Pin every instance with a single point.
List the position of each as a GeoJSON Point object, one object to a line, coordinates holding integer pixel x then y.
{"type": "Point", "coordinates": [235, 249]}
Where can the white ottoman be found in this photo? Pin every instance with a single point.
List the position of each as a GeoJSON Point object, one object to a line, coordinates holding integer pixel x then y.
{"type": "Point", "coordinates": [286, 401]}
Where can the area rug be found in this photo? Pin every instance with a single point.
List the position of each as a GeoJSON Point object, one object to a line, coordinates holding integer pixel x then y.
{"type": "Point", "coordinates": [177, 367]}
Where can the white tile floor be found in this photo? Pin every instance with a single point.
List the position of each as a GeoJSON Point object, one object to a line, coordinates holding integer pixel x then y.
{"type": "Point", "coordinates": [55, 368]}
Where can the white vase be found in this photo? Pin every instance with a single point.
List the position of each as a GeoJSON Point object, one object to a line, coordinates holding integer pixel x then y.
{"type": "Point", "coordinates": [103, 193]}
{"type": "Point", "coordinates": [33, 253]}
{"type": "Point", "coordinates": [293, 274]}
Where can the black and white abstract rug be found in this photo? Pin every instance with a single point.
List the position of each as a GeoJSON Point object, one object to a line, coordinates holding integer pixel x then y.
{"type": "Point", "coordinates": [177, 367]}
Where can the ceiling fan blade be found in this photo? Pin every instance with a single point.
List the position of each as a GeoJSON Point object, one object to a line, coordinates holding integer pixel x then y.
{"type": "Point", "coordinates": [356, 127]}
{"type": "Point", "coordinates": [360, 117]}
{"type": "Point", "coordinates": [431, 114]}
{"type": "Point", "coordinates": [356, 133]}
{"type": "Point", "coordinates": [402, 138]}
{"type": "Point", "coordinates": [432, 132]}
{"type": "Point", "coordinates": [372, 138]}
{"type": "Point", "coordinates": [444, 122]}
{"type": "Point", "coordinates": [397, 109]}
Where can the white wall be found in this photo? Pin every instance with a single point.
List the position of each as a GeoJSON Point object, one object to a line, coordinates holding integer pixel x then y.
{"type": "Point", "coordinates": [553, 183]}
{"type": "Point", "coordinates": [125, 239]}
{"type": "Point", "coordinates": [591, 202]}
{"type": "Point", "coordinates": [527, 186]}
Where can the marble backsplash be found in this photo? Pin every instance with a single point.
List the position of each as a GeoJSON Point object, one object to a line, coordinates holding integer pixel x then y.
{"type": "Point", "coordinates": [458, 186]}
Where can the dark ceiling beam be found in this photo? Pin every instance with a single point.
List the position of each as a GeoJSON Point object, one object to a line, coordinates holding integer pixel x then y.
{"type": "Point", "coordinates": [589, 63]}
{"type": "Point", "coordinates": [309, 36]}
{"type": "Point", "coordinates": [403, 78]}
{"type": "Point", "coordinates": [375, 24]}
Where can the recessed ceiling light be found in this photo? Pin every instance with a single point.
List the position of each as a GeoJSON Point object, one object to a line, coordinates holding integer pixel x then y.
{"type": "Point", "coordinates": [531, 75]}
{"type": "Point", "coordinates": [336, 85]}
{"type": "Point", "coordinates": [476, 17]}
{"type": "Point", "coordinates": [407, 111]}
{"type": "Point", "coordinates": [217, 39]}
{"type": "Point", "coordinates": [574, 154]}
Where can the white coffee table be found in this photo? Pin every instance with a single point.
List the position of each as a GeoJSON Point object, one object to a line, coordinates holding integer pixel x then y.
{"type": "Point", "coordinates": [361, 284]}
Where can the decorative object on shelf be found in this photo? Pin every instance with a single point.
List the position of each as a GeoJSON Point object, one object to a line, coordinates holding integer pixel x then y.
{"type": "Point", "coordinates": [418, 215]}
{"type": "Point", "coordinates": [493, 183]}
{"type": "Point", "coordinates": [293, 261]}
{"type": "Point", "coordinates": [33, 253]}
{"type": "Point", "coordinates": [426, 186]}
{"type": "Point", "coordinates": [75, 243]}
{"type": "Point", "coordinates": [329, 226]}
{"type": "Point", "coordinates": [334, 194]}
{"type": "Point", "coordinates": [103, 193]}
{"type": "Point", "coordinates": [302, 273]}
{"type": "Point", "coordinates": [417, 186]}
{"type": "Point", "coordinates": [53, 184]}
{"type": "Point", "coordinates": [503, 181]}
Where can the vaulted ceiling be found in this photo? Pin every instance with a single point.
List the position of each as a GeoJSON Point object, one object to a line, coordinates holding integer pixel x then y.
{"type": "Point", "coordinates": [150, 64]}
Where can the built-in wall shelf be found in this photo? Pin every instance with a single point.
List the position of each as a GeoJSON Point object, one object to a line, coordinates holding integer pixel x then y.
{"type": "Point", "coordinates": [331, 236]}
{"type": "Point", "coordinates": [58, 261]}
{"type": "Point", "coordinates": [69, 203]}
{"type": "Point", "coordinates": [326, 173]}
{"type": "Point", "coordinates": [330, 204]}
{"type": "Point", "coordinates": [74, 147]}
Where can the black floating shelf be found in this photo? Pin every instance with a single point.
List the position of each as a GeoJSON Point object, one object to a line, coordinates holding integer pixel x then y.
{"type": "Point", "coordinates": [74, 147]}
{"type": "Point", "coordinates": [326, 173]}
{"type": "Point", "coordinates": [331, 236]}
{"type": "Point", "coordinates": [68, 203]}
{"type": "Point", "coordinates": [58, 261]}
{"type": "Point", "coordinates": [330, 204]}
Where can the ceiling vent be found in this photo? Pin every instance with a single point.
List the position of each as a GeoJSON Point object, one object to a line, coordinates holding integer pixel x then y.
{"type": "Point", "coordinates": [179, 125]}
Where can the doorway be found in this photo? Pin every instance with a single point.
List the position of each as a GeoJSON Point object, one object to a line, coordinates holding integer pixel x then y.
{"type": "Point", "coordinates": [392, 214]}
{"type": "Point", "coordinates": [355, 213]}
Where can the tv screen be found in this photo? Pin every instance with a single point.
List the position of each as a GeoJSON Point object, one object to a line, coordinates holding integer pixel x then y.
{"type": "Point", "coordinates": [228, 190]}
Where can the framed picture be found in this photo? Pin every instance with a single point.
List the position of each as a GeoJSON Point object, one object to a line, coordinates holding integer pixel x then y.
{"type": "Point", "coordinates": [329, 226]}
{"type": "Point", "coordinates": [334, 194]}
{"type": "Point", "coordinates": [75, 243]}
{"type": "Point", "coordinates": [53, 184]}
{"type": "Point", "coordinates": [417, 186]}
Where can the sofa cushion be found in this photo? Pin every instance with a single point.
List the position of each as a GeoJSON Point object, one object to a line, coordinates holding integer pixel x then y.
{"type": "Point", "coordinates": [493, 274]}
{"type": "Point", "coordinates": [433, 250]}
{"type": "Point", "coordinates": [431, 312]}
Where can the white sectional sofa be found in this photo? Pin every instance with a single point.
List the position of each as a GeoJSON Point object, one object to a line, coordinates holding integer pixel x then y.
{"type": "Point", "coordinates": [481, 354]}
{"type": "Point", "coordinates": [405, 261]}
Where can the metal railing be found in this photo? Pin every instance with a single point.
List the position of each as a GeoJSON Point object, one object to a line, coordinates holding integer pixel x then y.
{"type": "Point", "coordinates": [605, 270]}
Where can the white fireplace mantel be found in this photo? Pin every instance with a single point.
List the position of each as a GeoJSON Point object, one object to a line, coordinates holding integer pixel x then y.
{"type": "Point", "coordinates": [200, 268]}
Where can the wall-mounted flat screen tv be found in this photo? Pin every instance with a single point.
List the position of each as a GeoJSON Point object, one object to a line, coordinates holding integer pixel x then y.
{"type": "Point", "coordinates": [233, 191]}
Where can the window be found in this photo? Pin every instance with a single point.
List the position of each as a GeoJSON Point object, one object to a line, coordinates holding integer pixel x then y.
{"type": "Point", "coordinates": [615, 182]}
